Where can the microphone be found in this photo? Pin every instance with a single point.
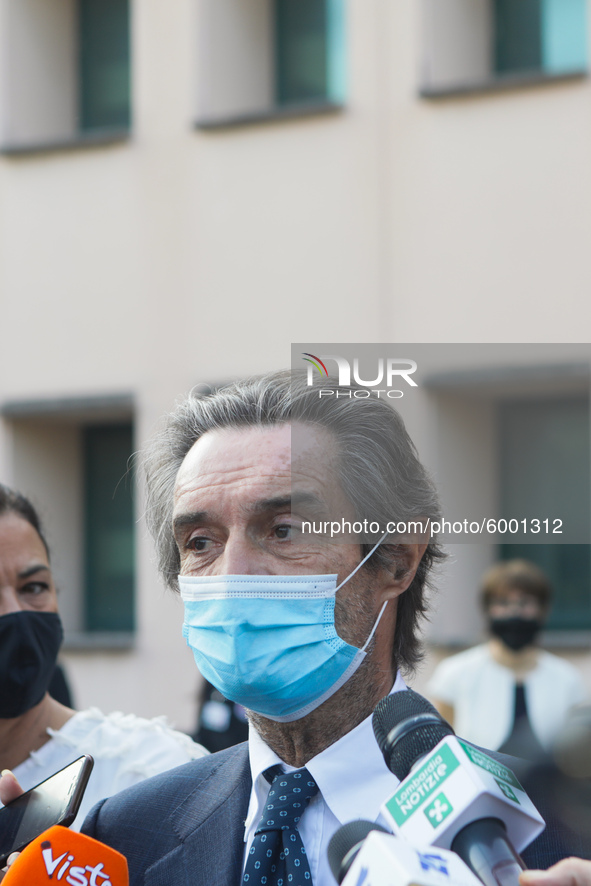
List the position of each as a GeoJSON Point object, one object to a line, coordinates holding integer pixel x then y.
{"type": "Point", "coordinates": [364, 853]}
{"type": "Point", "coordinates": [452, 795]}
{"type": "Point", "coordinates": [59, 855]}
{"type": "Point", "coordinates": [345, 844]}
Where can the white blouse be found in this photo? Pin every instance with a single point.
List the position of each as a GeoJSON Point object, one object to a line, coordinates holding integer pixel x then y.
{"type": "Point", "coordinates": [126, 749]}
{"type": "Point", "coordinates": [482, 694]}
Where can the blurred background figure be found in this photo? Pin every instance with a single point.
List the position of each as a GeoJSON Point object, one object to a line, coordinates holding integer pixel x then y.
{"type": "Point", "coordinates": [38, 735]}
{"type": "Point", "coordinates": [508, 694]}
{"type": "Point", "coordinates": [221, 723]}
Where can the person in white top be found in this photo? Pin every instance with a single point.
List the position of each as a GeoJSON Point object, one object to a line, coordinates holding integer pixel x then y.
{"type": "Point", "coordinates": [508, 694]}
{"type": "Point", "coordinates": [38, 735]}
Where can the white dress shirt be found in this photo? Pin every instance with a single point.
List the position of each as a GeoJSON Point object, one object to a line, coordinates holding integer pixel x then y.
{"type": "Point", "coordinates": [353, 782]}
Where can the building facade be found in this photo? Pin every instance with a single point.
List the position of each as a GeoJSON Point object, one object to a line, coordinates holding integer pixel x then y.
{"type": "Point", "coordinates": [184, 195]}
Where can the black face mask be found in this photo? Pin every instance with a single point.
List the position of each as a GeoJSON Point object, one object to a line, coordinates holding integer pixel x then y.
{"type": "Point", "coordinates": [516, 633]}
{"type": "Point", "coordinates": [29, 644]}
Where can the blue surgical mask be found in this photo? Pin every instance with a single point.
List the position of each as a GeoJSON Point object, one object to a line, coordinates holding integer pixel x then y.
{"type": "Point", "coordinates": [268, 642]}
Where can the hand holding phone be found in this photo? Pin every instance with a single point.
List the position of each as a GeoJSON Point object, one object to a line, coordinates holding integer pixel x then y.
{"type": "Point", "coordinates": [10, 789]}
{"type": "Point", "coordinates": [54, 801]}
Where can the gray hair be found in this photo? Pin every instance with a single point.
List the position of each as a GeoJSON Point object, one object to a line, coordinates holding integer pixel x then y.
{"type": "Point", "coordinates": [384, 479]}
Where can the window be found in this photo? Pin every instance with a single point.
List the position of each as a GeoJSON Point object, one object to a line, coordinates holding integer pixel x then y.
{"type": "Point", "coordinates": [266, 57]}
{"type": "Point", "coordinates": [309, 47]}
{"type": "Point", "coordinates": [67, 66]}
{"type": "Point", "coordinates": [544, 448]}
{"type": "Point", "coordinates": [485, 43]}
{"type": "Point", "coordinates": [539, 35]}
{"type": "Point", "coordinates": [103, 27]}
{"type": "Point", "coordinates": [518, 35]}
{"type": "Point", "coordinates": [301, 31]}
{"type": "Point", "coordinates": [109, 528]}
{"type": "Point", "coordinates": [72, 458]}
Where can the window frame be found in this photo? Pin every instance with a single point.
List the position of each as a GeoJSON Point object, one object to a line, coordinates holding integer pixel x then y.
{"type": "Point", "coordinates": [564, 47]}
{"type": "Point", "coordinates": [74, 413]}
{"type": "Point", "coordinates": [331, 104]}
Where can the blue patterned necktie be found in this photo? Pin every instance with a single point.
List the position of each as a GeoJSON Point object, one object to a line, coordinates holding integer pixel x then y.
{"type": "Point", "coordinates": [277, 856]}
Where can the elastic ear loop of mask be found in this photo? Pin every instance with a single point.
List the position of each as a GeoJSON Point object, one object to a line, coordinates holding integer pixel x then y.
{"type": "Point", "coordinates": [357, 568]}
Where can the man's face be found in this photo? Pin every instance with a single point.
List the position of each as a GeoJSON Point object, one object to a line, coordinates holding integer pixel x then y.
{"type": "Point", "coordinates": [238, 506]}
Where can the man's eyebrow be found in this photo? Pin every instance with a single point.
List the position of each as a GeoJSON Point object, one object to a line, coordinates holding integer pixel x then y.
{"type": "Point", "coordinates": [288, 502]}
{"type": "Point", "coordinates": [264, 506]}
{"type": "Point", "coordinates": [36, 567]}
{"type": "Point", "coordinates": [188, 520]}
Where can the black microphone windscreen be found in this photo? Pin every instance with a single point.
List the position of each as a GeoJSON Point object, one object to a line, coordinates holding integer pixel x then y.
{"type": "Point", "coordinates": [342, 843]}
{"type": "Point", "coordinates": [406, 727]}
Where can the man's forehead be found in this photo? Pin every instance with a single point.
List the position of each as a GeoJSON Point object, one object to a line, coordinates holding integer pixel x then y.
{"type": "Point", "coordinates": [288, 451]}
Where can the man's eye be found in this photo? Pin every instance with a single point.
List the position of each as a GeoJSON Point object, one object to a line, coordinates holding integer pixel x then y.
{"type": "Point", "coordinates": [283, 531]}
{"type": "Point", "coordinates": [199, 543]}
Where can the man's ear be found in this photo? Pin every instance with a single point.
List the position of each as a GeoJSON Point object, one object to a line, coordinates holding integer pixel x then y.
{"type": "Point", "coordinates": [405, 559]}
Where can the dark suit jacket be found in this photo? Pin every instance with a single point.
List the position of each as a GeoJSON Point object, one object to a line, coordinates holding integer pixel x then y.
{"type": "Point", "coordinates": [186, 826]}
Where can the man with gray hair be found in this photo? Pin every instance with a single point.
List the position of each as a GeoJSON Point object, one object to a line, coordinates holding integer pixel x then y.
{"type": "Point", "coordinates": [307, 627]}
{"type": "Point", "coordinates": [371, 457]}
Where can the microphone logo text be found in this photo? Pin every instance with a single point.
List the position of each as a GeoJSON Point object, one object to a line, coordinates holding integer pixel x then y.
{"type": "Point", "coordinates": [64, 868]}
{"type": "Point", "coordinates": [422, 786]}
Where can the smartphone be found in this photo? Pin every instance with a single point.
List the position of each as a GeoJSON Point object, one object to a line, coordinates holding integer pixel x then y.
{"type": "Point", "coordinates": [54, 801]}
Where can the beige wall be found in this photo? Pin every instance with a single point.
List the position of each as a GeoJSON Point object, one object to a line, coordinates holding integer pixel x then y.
{"type": "Point", "coordinates": [236, 64]}
{"type": "Point", "coordinates": [39, 63]}
{"type": "Point", "coordinates": [457, 42]}
{"type": "Point", "coordinates": [490, 201]}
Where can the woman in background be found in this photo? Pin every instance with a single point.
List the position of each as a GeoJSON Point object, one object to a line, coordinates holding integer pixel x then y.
{"type": "Point", "coordinates": [508, 694]}
{"type": "Point", "coordinates": [38, 735]}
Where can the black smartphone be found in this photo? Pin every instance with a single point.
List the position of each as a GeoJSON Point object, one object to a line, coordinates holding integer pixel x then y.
{"type": "Point", "coordinates": [54, 801]}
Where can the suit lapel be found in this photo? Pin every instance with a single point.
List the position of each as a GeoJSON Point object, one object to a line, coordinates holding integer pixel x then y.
{"type": "Point", "coordinates": [210, 827]}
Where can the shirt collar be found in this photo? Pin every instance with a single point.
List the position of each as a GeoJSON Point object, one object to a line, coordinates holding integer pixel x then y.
{"type": "Point", "coordinates": [355, 755]}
